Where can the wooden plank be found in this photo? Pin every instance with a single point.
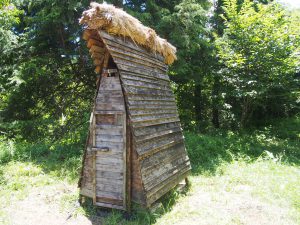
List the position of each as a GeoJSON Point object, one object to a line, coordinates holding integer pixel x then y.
{"type": "Point", "coordinates": [112, 99]}
{"type": "Point", "coordinates": [145, 85]}
{"type": "Point", "coordinates": [109, 161]}
{"type": "Point", "coordinates": [114, 154]}
{"type": "Point", "coordinates": [108, 168]}
{"type": "Point", "coordinates": [154, 129]}
{"type": "Point", "coordinates": [128, 165]}
{"type": "Point", "coordinates": [109, 194]}
{"type": "Point", "coordinates": [110, 201]}
{"type": "Point", "coordinates": [96, 42]}
{"type": "Point", "coordinates": [160, 141]}
{"type": "Point", "coordinates": [107, 205]}
{"type": "Point", "coordinates": [116, 131]}
{"type": "Point", "coordinates": [120, 61]}
{"type": "Point", "coordinates": [106, 164]}
{"type": "Point", "coordinates": [125, 52]}
{"type": "Point", "coordinates": [167, 187]}
{"type": "Point", "coordinates": [108, 137]}
{"type": "Point", "coordinates": [109, 106]}
{"type": "Point", "coordinates": [94, 178]}
{"type": "Point", "coordinates": [86, 192]}
{"type": "Point", "coordinates": [145, 91]}
{"type": "Point", "coordinates": [110, 175]}
{"type": "Point", "coordinates": [111, 145]}
{"type": "Point", "coordinates": [125, 42]}
{"type": "Point", "coordinates": [110, 86]}
{"type": "Point", "coordinates": [109, 188]}
{"type": "Point", "coordinates": [150, 112]}
{"type": "Point", "coordinates": [155, 117]}
{"type": "Point", "coordinates": [155, 122]}
{"type": "Point", "coordinates": [145, 154]}
{"type": "Point", "coordinates": [165, 180]}
{"type": "Point", "coordinates": [125, 59]}
{"type": "Point", "coordinates": [158, 134]}
{"type": "Point", "coordinates": [108, 126]}
{"type": "Point", "coordinates": [95, 149]}
{"type": "Point", "coordinates": [140, 83]}
{"type": "Point", "coordinates": [104, 180]}
{"type": "Point", "coordinates": [96, 55]}
{"type": "Point", "coordinates": [88, 33]}
{"type": "Point", "coordinates": [142, 71]}
{"type": "Point", "coordinates": [151, 98]}
{"type": "Point", "coordinates": [96, 49]}
{"type": "Point", "coordinates": [154, 177]}
{"type": "Point", "coordinates": [164, 156]}
{"type": "Point", "coordinates": [139, 78]}
{"type": "Point", "coordinates": [98, 61]}
{"type": "Point", "coordinates": [138, 194]}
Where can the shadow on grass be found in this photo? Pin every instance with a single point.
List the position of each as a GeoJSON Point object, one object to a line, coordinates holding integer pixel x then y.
{"type": "Point", "coordinates": [207, 152]}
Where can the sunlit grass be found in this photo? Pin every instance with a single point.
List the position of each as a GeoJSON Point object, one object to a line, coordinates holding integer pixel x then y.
{"type": "Point", "coordinates": [234, 175]}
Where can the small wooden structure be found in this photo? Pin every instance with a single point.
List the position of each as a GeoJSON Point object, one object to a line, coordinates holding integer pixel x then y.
{"type": "Point", "coordinates": [135, 148]}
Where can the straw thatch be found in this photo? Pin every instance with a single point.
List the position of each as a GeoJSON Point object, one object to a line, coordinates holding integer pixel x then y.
{"type": "Point", "coordinates": [116, 21]}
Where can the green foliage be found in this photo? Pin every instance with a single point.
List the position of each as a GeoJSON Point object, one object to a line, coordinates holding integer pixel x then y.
{"type": "Point", "coordinates": [259, 50]}
{"type": "Point", "coordinates": [208, 151]}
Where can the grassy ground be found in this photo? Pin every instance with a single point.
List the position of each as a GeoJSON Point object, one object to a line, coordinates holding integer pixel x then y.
{"type": "Point", "coordinates": [248, 177]}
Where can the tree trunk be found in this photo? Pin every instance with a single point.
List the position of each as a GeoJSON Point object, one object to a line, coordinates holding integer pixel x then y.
{"type": "Point", "coordinates": [198, 104]}
{"type": "Point", "coordinates": [215, 102]}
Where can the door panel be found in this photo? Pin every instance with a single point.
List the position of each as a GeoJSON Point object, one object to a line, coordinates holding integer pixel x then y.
{"type": "Point", "coordinates": [110, 145]}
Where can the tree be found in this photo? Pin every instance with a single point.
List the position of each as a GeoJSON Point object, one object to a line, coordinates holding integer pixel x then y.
{"type": "Point", "coordinates": [259, 49]}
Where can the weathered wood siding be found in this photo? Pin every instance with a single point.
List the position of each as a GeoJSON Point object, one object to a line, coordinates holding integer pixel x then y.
{"type": "Point", "coordinates": [104, 173]}
{"type": "Point", "coordinates": [159, 156]}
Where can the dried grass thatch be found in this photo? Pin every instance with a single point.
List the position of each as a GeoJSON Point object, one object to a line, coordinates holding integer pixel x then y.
{"type": "Point", "coordinates": [116, 21]}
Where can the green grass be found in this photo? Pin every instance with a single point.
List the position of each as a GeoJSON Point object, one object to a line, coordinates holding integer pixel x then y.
{"type": "Point", "coordinates": [260, 167]}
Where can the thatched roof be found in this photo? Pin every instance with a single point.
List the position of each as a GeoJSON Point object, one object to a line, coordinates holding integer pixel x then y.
{"type": "Point", "coordinates": [117, 22]}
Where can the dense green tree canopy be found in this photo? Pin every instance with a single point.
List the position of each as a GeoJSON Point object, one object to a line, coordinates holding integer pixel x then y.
{"type": "Point", "coordinates": [237, 63]}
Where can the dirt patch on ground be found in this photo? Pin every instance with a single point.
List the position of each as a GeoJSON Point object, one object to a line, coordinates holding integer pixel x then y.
{"type": "Point", "coordinates": [43, 207]}
{"type": "Point", "coordinates": [201, 206]}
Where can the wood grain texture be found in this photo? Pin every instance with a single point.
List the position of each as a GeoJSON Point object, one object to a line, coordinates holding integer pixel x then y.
{"type": "Point", "coordinates": [155, 145]}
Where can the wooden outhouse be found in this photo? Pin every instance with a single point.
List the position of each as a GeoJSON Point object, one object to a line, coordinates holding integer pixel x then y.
{"type": "Point", "coordinates": [135, 148]}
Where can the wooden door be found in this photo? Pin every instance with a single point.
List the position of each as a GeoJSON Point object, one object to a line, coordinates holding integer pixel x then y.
{"type": "Point", "coordinates": [109, 145]}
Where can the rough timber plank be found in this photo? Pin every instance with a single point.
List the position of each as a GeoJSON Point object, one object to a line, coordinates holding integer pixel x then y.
{"type": "Point", "coordinates": [151, 152]}
{"type": "Point", "coordinates": [138, 194]}
{"type": "Point", "coordinates": [127, 58]}
{"type": "Point", "coordinates": [163, 156]}
{"type": "Point", "coordinates": [151, 98]}
{"type": "Point", "coordinates": [146, 91]}
{"type": "Point", "coordinates": [147, 84]}
{"type": "Point", "coordinates": [158, 134]}
{"type": "Point", "coordinates": [123, 49]}
{"type": "Point", "coordinates": [154, 129]}
{"type": "Point", "coordinates": [155, 122]}
{"type": "Point", "coordinates": [153, 178]}
{"type": "Point", "coordinates": [147, 145]}
{"type": "Point", "coordinates": [167, 187]}
{"type": "Point", "coordinates": [125, 42]}
{"type": "Point", "coordinates": [110, 187]}
{"type": "Point", "coordinates": [108, 161]}
{"type": "Point", "coordinates": [107, 205]}
{"type": "Point", "coordinates": [134, 76]}
{"type": "Point", "coordinates": [169, 179]}
{"type": "Point", "coordinates": [109, 137]}
{"type": "Point", "coordinates": [109, 194]}
{"type": "Point", "coordinates": [142, 71]}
